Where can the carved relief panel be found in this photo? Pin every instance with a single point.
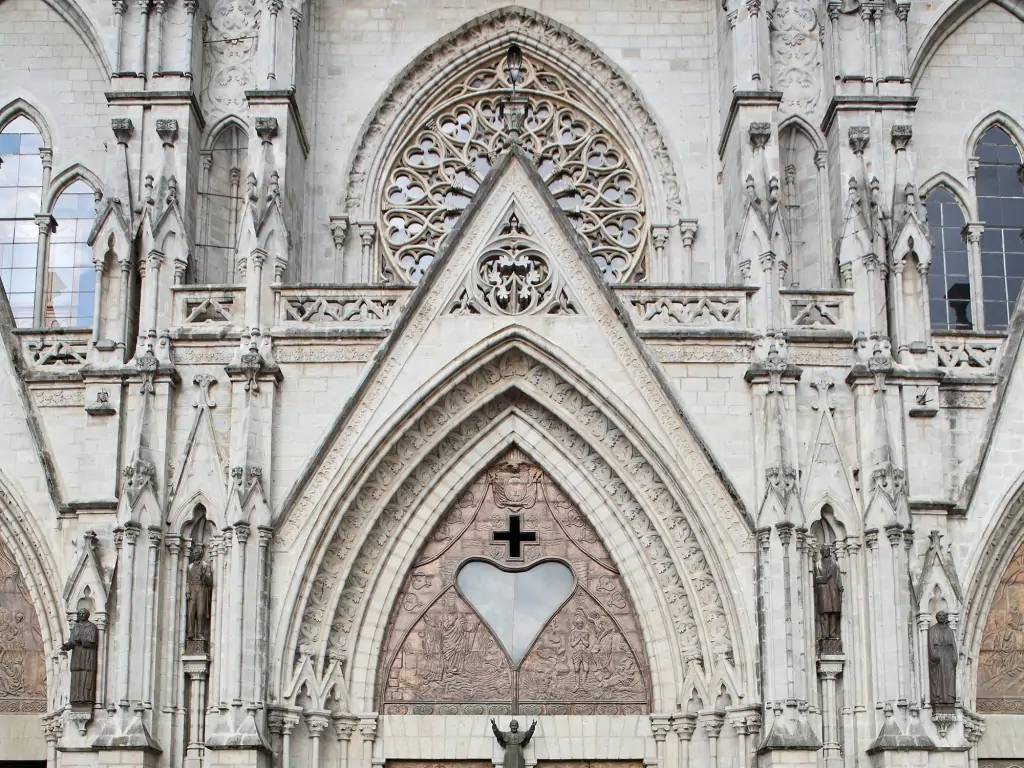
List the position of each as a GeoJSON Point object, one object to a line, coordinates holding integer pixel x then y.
{"type": "Point", "coordinates": [22, 663]}
{"type": "Point", "coordinates": [1001, 664]}
{"type": "Point", "coordinates": [513, 605]}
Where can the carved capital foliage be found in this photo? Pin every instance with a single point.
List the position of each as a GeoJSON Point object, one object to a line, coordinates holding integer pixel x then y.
{"type": "Point", "coordinates": [759, 134]}
{"type": "Point", "coordinates": [123, 129]}
{"type": "Point", "coordinates": [859, 136]}
{"type": "Point", "coordinates": [167, 130]}
{"type": "Point", "coordinates": [901, 135]}
{"type": "Point", "coordinates": [266, 128]}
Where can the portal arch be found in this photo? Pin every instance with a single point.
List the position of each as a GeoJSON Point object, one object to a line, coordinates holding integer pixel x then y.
{"type": "Point", "coordinates": [329, 617]}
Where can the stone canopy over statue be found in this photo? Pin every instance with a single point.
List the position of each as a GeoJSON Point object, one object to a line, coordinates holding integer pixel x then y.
{"type": "Point", "coordinates": [513, 741]}
{"type": "Point", "coordinates": [828, 602]}
{"type": "Point", "coordinates": [199, 584]}
{"type": "Point", "coordinates": [942, 659]}
{"type": "Point", "coordinates": [83, 646]}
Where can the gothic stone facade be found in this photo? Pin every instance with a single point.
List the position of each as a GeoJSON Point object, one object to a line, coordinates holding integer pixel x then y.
{"type": "Point", "coordinates": [646, 368]}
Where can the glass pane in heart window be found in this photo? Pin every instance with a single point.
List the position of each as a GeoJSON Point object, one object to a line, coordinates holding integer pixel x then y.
{"type": "Point", "coordinates": [515, 604]}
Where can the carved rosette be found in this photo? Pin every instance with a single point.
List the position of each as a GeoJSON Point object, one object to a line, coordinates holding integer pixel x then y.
{"type": "Point", "coordinates": [796, 55]}
{"type": "Point", "coordinates": [444, 656]}
{"type": "Point", "coordinates": [440, 165]}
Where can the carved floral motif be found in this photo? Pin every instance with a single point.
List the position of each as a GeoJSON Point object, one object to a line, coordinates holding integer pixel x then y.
{"type": "Point", "coordinates": [230, 39]}
{"type": "Point", "coordinates": [796, 55]}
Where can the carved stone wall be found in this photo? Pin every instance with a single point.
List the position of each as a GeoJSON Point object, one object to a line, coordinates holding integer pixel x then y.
{"type": "Point", "coordinates": [448, 649]}
{"type": "Point", "coordinates": [1001, 663]}
{"type": "Point", "coordinates": [22, 663]}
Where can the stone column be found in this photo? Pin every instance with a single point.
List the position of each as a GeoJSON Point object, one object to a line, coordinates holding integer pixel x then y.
{"type": "Point", "coordinates": [972, 233]}
{"type": "Point", "coordinates": [684, 724]}
{"type": "Point", "coordinates": [659, 730]}
{"type": "Point", "coordinates": [46, 226]}
{"type": "Point", "coordinates": [368, 735]}
{"type": "Point", "coordinates": [367, 233]}
{"type": "Point", "coordinates": [274, 6]}
{"type": "Point", "coordinates": [316, 722]}
{"type": "Point", "coordinates": [196, 669]}
{"type": "Point", "coordinates": [829, 670]}
{"type": "Point", "coordinates": [712, 722]}
{"type": "Point", "coordinates": [288, 722]}
{"type": "Point", "coordinates": [242, 536]}
{"type": "Point", "coordinates": [688, 233]}
{"type": "Point", "coordinates": [126, 602]}
{"type": "Point", "coordinates": [344, 727]}
{"type": "Point", "coordinates": [149, 628]}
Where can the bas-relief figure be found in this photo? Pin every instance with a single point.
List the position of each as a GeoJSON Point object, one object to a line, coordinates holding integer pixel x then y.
{"type": "Point", "coordinates": [942, 659]}
{"type": "Point", "coordinates": [22, 664]}
{"type": "Point", "coordinates": [450, 649]}
{"type": "Point", "coordinates": [83, 646]}
{"type": "Point", "coordinates": [1001, 662]}
{"type": "Point", "coordinates": [513, 741]}
{"type": "Point", "coordinates": [199, 593]}
{"type": "Point", "coordinates": [828, 602]}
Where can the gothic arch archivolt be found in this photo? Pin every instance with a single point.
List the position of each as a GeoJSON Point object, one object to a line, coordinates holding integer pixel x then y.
{"type": "Point", "coordinates": [677, 554]}
{"type": "Point", "coordinates": [996, 562]}
{"type": "Point", "coordinates": [399, 110]}
{"type": "Point", "coordinates": [24, 543]}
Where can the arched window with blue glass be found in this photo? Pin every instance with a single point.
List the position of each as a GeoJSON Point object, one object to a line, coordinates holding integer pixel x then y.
{"type": "Point", "coordinates": [1000, 192]}
{"type": "Point", "coordinates": [21, 180]}
{"type": "Point", "coordinates": [949, 279]}
{"type": "Point", "coordinates": [71, 276]}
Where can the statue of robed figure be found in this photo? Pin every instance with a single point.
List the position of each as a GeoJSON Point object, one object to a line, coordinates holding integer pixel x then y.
{"type": "Point", "coordinates": [828, 602]}
{"type": "Point", "coordinates": [83, 643]}
{"type": "Point", "coordinates": [942, 658]}
{"type": "Point", "coordinates": [199, 586]}
{"type": "Point", "coordinates": [513, 742]}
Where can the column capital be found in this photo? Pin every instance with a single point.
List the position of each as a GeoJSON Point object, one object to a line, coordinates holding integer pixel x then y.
{"type": "Point", "coordinates": [344, 725]}
{"type": "Point", "coordinates": [684, 724]}
{"type": "Point", "coordinates": [712, 721]}
{"type": "Point", "coordinates": [859, 136]}
{"type": "Point", "coordinates": [660, 725]}
{"type": "Point", "coordinates": [368, 726]}
{"type": "Point", "coordinates": [317, 721]}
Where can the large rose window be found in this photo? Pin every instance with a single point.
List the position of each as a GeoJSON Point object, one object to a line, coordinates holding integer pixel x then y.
{"type": "Point", "coordinates": [445, 160]}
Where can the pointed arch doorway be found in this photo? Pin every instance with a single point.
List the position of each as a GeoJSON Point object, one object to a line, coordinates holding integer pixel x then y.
{"type": "Point", "coordinates": [513, 606]}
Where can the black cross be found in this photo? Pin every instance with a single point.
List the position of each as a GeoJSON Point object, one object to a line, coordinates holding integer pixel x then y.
{"type": "Point", "coordinates": [514, 536]}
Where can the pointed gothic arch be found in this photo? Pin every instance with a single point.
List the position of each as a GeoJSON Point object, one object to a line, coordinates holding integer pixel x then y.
{"type": "Point", "coordinates": [404, 107]}
{"type": "Point", "coordinates": [516, 371]}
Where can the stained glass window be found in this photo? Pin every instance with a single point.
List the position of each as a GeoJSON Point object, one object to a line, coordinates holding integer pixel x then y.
{"type": "Point", "coordinates": [71, 277]}
{"type": "Point", "coordinates": [949, 280]}
{"type": "Point", "coordinates": [1001, 208]}
{"type": "Point", "coordinates": [21, 176]}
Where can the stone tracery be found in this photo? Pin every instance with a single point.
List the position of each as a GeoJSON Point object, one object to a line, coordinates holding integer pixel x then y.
{"type": "Point", "coordinates": [441, 165]}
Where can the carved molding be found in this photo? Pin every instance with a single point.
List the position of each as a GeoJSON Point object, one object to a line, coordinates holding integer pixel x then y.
{"type": "Point", "coordinates": [796, 55]}
{"type": "Point", "coordinates": [1001, 660]}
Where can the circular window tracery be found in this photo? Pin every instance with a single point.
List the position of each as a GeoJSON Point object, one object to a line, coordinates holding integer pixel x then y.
{"type": "Point", "coordinates": [443, 163]}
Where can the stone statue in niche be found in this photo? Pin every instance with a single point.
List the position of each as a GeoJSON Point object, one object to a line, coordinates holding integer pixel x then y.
{"type": "Point", "coordinates": [828, 602]}
{"type": "Point", "coordinates": [513, 742]}
{"type": "Point", "coordinates": [83, 647]}
{"type": "Point", "coordinates": [942, 659]}
{"type": "Point", "coordinates": [199, 583]}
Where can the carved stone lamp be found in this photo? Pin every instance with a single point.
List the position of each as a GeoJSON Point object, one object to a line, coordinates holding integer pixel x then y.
{"type": "Point", "coordinates": [513, 110]}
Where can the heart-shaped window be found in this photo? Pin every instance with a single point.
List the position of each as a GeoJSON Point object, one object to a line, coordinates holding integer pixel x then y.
{"type": "Point", "coordinates": [516, 604]}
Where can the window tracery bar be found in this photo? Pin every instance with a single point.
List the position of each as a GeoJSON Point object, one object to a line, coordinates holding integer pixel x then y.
{"type": "Point", "coordinates": [443, 162]}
